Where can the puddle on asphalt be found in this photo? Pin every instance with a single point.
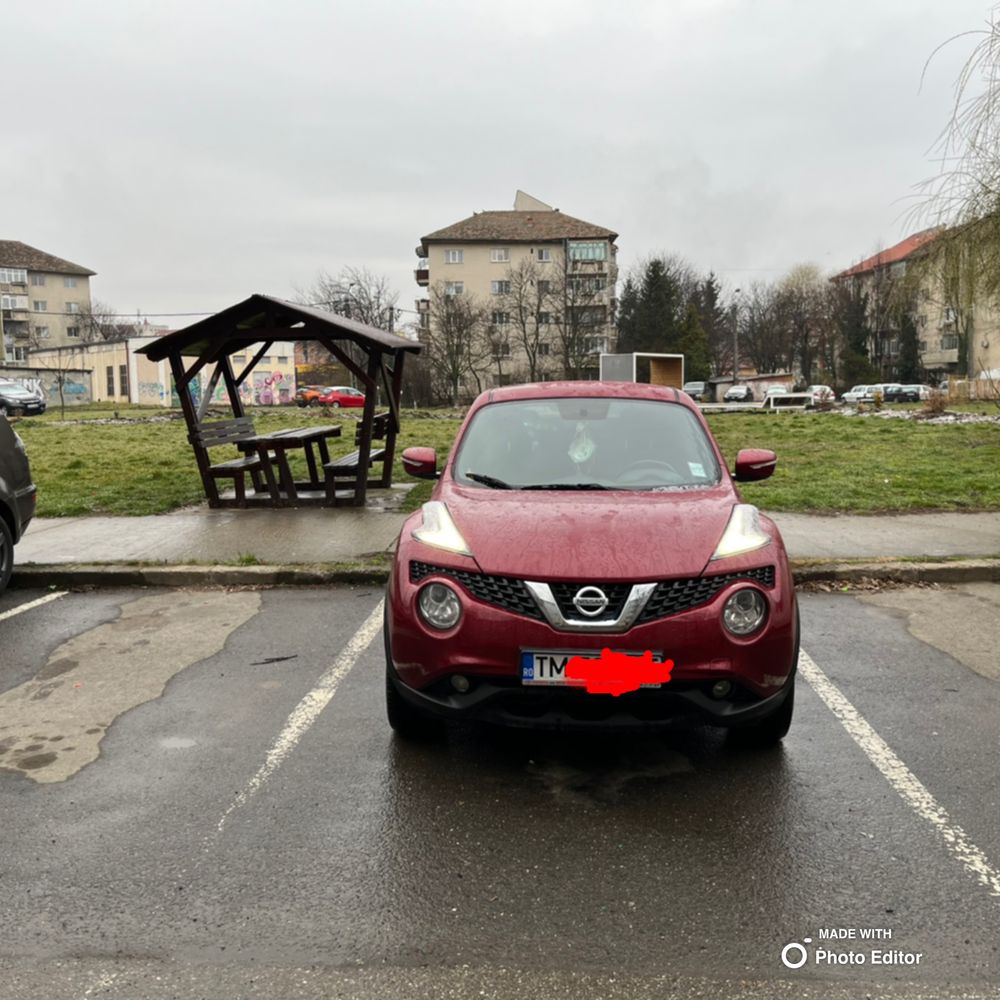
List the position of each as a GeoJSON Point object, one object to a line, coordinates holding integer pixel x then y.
{"type": "Point", "coordinates": [53, 724]}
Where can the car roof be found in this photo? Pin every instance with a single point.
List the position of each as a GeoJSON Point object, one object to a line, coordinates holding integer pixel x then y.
{"type": "Point", "coordinates": [553, 390]}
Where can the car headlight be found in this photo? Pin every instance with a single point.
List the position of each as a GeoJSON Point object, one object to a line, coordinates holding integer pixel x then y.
{"type": "Point", "coordinates": [439, 530]}
{"type": "Point", "coordinates": [439, 606]}
{"type": "Point", "coordinates": [742, 534]}
{"type": "Point", "coordinates": [744, 611]}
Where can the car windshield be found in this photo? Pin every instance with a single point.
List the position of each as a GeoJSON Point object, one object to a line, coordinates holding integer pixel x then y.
{"type": "Point", "coordinates": [17, 390]}
{"type": "Point", "coordinates": [586, 443]}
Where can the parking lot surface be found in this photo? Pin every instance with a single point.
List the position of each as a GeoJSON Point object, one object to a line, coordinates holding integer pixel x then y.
{"type": "Point", "coordinates": [200, 797]}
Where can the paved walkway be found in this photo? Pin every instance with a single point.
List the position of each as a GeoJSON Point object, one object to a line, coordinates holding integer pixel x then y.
{"type": "Point", "coordinates": [316, 535]}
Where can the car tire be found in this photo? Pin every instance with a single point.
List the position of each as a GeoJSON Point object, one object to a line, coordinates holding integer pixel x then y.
{"type": "Point", "coordinates": [3, 409]}
{"type": "Point", "coordinates": [301, 402]}
{"type": "Point", "coordinates": [6, 554]}
{"type": "Point", "coordinates": [335, 405]}
{"type": "Point", "coordinates": [773, 728]}
{"type": "Point", "coordinates": [406, 721]}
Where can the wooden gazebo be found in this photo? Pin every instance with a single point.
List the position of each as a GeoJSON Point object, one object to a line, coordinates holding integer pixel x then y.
{"type": "Point", "coordinates": [210, 344]}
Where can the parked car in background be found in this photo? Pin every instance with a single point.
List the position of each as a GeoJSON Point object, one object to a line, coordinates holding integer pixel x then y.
{"type": "Point", "coordinates": [16, 400]}
{"type": "Point", "coordinates": [821, 395]}
{"type": "Point", "coordinates": [17, 497]}
{"type": "Point", "coordinates": [308, 395]}
{"type": "Point", "coordinates": [698, 391]}
{"type": "Point", "coordinates": [887, 390]}
{"type": "Point", "coordinates": [739, 394]}
{"type": "Point", "coordinates": [775, 390]}
{"type": "Point", "coordinates": [913, 393]}
{"type": "Point", "coordinates": [341, 395]}
{"type": "Point", "coordinates": [858, 394]}
{"type": "Point", "coordinates": [583, 521]}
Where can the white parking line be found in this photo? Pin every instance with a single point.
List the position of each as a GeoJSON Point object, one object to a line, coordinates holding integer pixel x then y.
{"type": "Point", "coordinates": [308, 710]}
{"type": "Point", "coordinates": [902, 779]}
{"type": "Point", "coordinates": [21, 608]}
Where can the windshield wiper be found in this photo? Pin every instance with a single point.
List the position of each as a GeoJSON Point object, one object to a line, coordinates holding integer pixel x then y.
{"type": "Point", "coordinates": [565, 486]}
{"type": "Point", "coordinates": [491, 481]}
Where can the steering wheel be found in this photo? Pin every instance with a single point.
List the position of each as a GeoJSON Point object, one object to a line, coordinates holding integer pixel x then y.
{"type": "Point", "coordinates": [639, 471]}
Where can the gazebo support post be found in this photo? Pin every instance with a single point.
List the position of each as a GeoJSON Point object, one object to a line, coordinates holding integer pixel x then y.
{"type": "Point", "coordinates": [365, 430]}
{"type": "Point", "coordinates": [182, 380]}
{"type": "Point", "coordinates": [393, 392]}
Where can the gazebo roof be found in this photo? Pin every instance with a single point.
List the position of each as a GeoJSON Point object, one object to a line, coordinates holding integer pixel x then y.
{"type": "Point", "coordinates": [263, 317]}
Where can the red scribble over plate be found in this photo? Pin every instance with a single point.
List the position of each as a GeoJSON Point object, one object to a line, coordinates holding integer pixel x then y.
{"type": "Point", "coordinates": [617, 673]}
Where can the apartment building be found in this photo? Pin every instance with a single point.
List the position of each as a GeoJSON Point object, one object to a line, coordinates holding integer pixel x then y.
{"type": "Point", "coordinates": [543, 287]}
{"type": "Point", "coordinates": [958, 332]}
{"type": "Point", "coordinates": [42, 298]}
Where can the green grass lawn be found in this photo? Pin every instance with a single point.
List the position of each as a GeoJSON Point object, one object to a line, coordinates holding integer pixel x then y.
{"type": "Point", "coordinates": [826, 462]}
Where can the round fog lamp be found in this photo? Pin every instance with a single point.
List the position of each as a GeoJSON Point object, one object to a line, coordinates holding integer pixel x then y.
{"type": "Point", "coordinates": [460, 683]}
{"type": "Point", "coordinates": [744, 612]}
{"type": "Point", "coordinates": [721, 688]}
{"type": "Point", "coordinates": [439, 606]}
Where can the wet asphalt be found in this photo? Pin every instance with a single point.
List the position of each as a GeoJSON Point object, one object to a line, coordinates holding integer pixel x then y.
{"type": "Point", "coordinates": [496, 864]}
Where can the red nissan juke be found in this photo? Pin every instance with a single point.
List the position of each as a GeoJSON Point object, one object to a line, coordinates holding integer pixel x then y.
{"type": "Point", "coordinates": [579, 521]}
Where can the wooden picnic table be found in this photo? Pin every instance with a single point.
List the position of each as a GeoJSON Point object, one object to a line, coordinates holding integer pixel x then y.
{"type": "Point", "coordinates": [278, 444]}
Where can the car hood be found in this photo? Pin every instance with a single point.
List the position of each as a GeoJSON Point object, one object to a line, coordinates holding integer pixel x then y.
{"type": "Point", "coordinates": [596, 535]}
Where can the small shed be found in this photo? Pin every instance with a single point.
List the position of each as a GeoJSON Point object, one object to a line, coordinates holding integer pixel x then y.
{"type": "Point", "coordinates": [262, 319]}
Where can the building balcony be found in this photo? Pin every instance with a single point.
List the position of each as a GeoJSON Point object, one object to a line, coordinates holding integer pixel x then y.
{"type": "Point", "coordinates": [422, 276]}
{"type": "Point", "coordinates": [939, 358]}
{"type": "Point", "coordinates": [423, 305]}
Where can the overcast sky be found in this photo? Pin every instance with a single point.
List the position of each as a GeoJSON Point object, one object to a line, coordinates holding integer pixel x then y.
{"type": "Point", "coordinates": [194, 152]}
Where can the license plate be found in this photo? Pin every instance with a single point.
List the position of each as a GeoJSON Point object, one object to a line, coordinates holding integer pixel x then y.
{"type": "Point", "coordinates": [548, 666]}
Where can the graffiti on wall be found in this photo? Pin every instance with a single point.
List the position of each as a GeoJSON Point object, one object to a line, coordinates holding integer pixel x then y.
{"type": "Point", "coordinates": [271, 388]}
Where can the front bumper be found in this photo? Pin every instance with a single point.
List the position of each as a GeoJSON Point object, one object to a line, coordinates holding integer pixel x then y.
{"type": "Point", "coordinates": [485, 649]}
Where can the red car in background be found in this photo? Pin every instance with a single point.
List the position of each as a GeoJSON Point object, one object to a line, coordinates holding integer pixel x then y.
{"type": "Point", "coordinates": [341, 395]}
{"type": "Point", "coordinates": [589, 519]}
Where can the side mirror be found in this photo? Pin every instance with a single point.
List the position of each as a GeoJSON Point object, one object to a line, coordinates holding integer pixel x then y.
{"type": "Point", "coordinates": [753, 464]}
{"type": "Point", "coordinates": [421, 463]}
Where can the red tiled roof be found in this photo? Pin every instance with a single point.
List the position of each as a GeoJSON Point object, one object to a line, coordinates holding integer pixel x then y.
{"type": "Point", "coordinates": [883, 258]}
{"type": "Point", "coordinates": [518, 227]}
{"type": "Point", "coordinates": [15, 254]}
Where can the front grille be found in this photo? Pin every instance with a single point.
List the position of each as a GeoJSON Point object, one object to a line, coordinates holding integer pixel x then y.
{"type": "Point", "coordinates": [674, 596]}
{"type": "Point", "coordinates": [616, 593]}
{"type": "Point", "coordinates": [500, 591]}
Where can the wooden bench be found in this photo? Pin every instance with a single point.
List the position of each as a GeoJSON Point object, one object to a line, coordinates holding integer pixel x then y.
{"type": "Point", "coordinates": [214, 434]}
{"type": "Point", "coordinates": [346, 467]}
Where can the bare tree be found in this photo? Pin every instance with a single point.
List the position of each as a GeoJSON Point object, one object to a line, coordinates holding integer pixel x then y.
{"type": "Point", "coordinates": [526, 303]}
{"type": "Point", "coordinates": [99, 321]}
{"type": "Point", "coordinates": [578, 296]}
{"type": "Point", "coordinates": [457, 345]}
{"type": "Point", "coordinates": [356, 293]}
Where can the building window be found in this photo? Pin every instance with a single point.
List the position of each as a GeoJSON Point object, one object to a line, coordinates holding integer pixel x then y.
{"type": "Point", "coordinates": [949, 342]}
{"type": "Point", "coordinates": [544, 318]}
{"type": "Point", "coordinates": [454, 287]}
{"type": "Point", "coordinates": [505, 379]}
{"type": "Point", "coordinates": [42, 332]}
{"type": "Point", "coordinates": [111, 379]}
{"type": "Point", "coordinates": [19, 355]}
{"type": "Point", "coordinates": [73, 332]}
{"type": "Point", "coordinates": [266, 360]}
{"type": "Point", "coordinates": [500, 255]}
{"type": "Point", "coordinates": [454, 256]}
{"type": "Point", "coordinates": [13, 276]}
{"type": "Point", "coordinates": [500, 287]}
{"type": "Point", "coordinates": [922, 345]}
{"type": "Point", "coordinates": [38, 280]}
{"type": "Point", "coordinates": [500, 318]}
{"type": "Point", "coordinates": [595, 345]}
{"type": "Point", "coordinates": [123, 379]}
{"type": "Point", "coordinates": [239, 359]}
{"type": "Point", "coordinates": [544, 287]}
{"type": "Point", "coordinates": [543, 350]}
{"type": "Point", "coordinates": [69, 282]}
{"type": "Point", "coordinates": [588, 251]}
{"type": "Point", "coordinates": [282, 359]}
{"type": "Point", "coordinates": [72, 307]}
{"type": "Point", "coordinates": [544, 255]}
{"type": "Point", "coordinates": [40, 306]}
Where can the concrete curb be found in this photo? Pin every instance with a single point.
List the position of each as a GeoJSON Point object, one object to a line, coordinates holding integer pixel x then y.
{"type": "Point", "coordinates": [35, 575]}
